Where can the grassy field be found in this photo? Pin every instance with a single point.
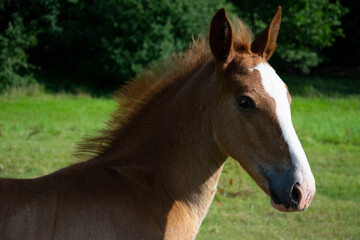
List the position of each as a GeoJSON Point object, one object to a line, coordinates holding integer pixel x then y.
{"type": "Point", "coordinates": [39, 133]}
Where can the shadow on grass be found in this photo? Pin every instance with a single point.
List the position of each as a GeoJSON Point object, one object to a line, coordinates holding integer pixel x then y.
{"type": "Point", "coordinates": [309, 86]}
{"type": "Point", "coordinates": [96, 86]}
{"type": "Point", "coordinates": [77, 83]}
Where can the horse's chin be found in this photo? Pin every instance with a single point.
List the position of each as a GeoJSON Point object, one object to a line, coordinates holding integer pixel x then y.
{"type": "Point", "coordinates": [282, 208]}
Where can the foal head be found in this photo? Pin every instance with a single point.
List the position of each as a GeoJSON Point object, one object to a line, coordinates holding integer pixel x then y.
{"type": "Point", "coordinates": [253, 120]}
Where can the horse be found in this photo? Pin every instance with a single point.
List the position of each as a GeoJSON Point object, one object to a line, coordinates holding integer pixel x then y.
{"type": "Point", "coordinates": [153, 172]}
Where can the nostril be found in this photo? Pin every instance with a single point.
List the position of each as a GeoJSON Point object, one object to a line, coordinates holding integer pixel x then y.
{"type": "Point", "coordinates": [295, 196]}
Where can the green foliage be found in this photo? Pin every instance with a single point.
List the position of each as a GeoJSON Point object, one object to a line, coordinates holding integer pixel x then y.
{"type": "Point", "coordinates": [307, 27]}
{"type": "Point", "coordinates": [100, 44]}
{"type": "Point", "coordinates": [107, 42]}
{"type": "Point", "coordinates": [25, 22]}
{"type": "Point", "coordinates": [136, 33]}
{"type": "Point", "coordinates": [14, 68]}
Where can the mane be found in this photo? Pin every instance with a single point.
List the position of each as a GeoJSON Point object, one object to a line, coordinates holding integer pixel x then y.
{"type": "Point", "coordinates": [136, 93]}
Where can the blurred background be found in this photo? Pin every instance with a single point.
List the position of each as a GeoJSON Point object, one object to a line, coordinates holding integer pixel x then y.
{"type": "Point", "coordinates": [61, 60]}
{"type": "Point", "coordinates": [96, 46]}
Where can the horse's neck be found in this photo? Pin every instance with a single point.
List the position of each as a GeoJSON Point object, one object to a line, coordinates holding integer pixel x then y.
{"type": "Point", "coordinates": [175, 140]}
{"type": "Point", "coordinates": [194, 161]}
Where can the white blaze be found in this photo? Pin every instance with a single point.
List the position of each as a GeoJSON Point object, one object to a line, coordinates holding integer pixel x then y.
{"type": "Point", "coordinates": [275, 87]}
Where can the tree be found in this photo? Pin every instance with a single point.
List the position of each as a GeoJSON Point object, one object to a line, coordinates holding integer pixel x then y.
{"type": "Point", "coordinates": [307, 27]}
{"type": "Point", "coordinates": [108, 42]}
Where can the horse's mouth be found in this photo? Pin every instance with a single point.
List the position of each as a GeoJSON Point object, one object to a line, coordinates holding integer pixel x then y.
{"type": "Point", "coordinates": [281, 207]}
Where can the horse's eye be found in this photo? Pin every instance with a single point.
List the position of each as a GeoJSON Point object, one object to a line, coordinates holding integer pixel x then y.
{"type": "Point", "coordinates": [245, 102]}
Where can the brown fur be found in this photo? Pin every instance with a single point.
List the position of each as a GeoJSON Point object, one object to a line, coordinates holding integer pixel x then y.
{"type": "Point", "coordinates": [265, 44]}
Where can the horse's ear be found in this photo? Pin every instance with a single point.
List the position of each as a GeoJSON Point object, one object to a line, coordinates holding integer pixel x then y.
{"type": "Point", "coordinates": [221, 36]}
{"type": "Point", "coordinates": [264, 45]}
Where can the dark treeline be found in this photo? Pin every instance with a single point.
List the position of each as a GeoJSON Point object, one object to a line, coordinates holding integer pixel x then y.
{"type": "Point", "coordinates": [97, 44]}
{"type": "Point", "coordinates": [342, 58]}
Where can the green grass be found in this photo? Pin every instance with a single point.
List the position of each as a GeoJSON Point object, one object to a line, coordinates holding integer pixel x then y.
{"type": "Point", "coordinates": [40, 131]}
